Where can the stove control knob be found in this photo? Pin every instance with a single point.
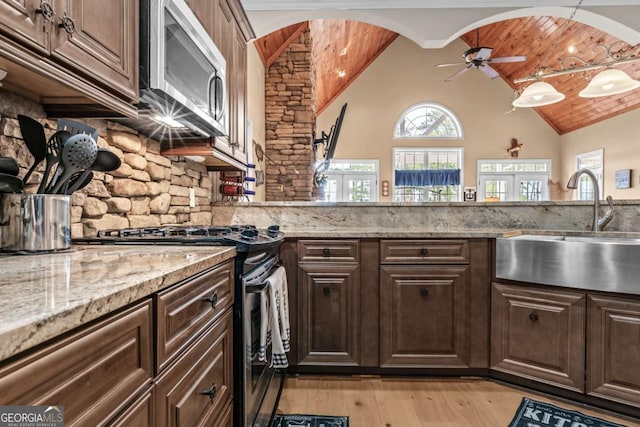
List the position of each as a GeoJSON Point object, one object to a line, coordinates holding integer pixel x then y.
{"type": "Point", "coordinates": [273, 230]}
{"type": "Point", "coordinates": [249, 234]}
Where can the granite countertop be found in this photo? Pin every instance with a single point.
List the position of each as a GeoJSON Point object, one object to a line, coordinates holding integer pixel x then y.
{"type": "Point", "coordinates": [429, 233]}
{"type": "Point", "coordinates": [45, 295]}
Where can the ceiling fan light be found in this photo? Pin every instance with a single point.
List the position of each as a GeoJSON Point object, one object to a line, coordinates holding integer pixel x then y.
{"type": "Point", "coordinates": [609, 82]}
{"type": "Point", "coordinates": [538, 94]}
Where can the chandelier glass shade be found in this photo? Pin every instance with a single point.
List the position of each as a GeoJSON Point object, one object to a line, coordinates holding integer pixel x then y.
{"type": "Point", "coordinates": [609, 82]}
{"type": "Point", "coordinates": [538, 94]}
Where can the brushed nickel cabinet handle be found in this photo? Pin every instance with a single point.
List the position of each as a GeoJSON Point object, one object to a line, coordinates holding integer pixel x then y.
{"type": "Point", "coordinates": [533, 317]}
{"type": "Point", "coordinates": [424, 251]}
{"type": "Point", "coordinates": [326, 252]}
{"type": "Point", "coordinates": [424, 292]}
{"type": "Point", "coordinates": [326, 290]}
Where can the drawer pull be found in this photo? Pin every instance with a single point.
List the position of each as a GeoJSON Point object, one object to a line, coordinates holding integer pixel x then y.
{"type": "Point", "coordinates": [211, 392]}
{"type": "Point", "coordinates": [67, 24]}
{"type": "Point", "coordinates": [326, 290]}
{"type": "Point", "coordinates": [46, 10]}
{"type": "Point", "coordinates": [424, 292]}
{"type": "Point", "coordinates": [424, 251]}
{"type": "Point", "coordinates": [213, 299]}
{"type": "Point", "coordinates": [326, 252]}
{"type": "Point", "coordinates": [533, 317]}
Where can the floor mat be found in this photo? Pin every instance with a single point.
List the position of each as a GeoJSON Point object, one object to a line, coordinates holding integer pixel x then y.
{"type": "Point", "coordinates": [300, 420]}
{"type": "Point", "coordinates": [531, 412]}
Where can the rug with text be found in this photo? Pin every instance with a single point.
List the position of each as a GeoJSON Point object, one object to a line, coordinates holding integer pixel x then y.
{"type": "Point", "coordinates": [539, 414]}
{"type": "Point", "coordinates": [300, 420]}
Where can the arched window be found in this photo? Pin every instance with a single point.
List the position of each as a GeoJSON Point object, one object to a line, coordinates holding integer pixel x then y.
{"type": "Point", "coordinates": [428, 120]}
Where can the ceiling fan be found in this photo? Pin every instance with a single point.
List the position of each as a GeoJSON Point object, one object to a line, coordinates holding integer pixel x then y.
{"type": "Point", "coordinates": [480, 57]}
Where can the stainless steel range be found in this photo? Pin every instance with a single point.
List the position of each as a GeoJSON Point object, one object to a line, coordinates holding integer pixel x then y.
{"type": "Point", "coordinates": [256, 386]}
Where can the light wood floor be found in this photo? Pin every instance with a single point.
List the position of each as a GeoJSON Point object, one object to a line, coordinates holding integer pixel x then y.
{"type": "Point", "coordinates": [393, 402]}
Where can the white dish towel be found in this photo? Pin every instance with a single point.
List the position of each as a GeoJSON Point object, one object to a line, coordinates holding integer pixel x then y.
{"type": "Point", "coordinates": [274, 310]}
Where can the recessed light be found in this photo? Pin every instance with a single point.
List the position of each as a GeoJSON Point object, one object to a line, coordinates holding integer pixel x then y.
{"type": "Point", "coordinates": [343, 52]}
{"type": "Point", "coordinates": [572, 49]}
{"type": "Point", "coordinates": [342, 73]}
{"type": "Point", "coordinates": [168, 121]}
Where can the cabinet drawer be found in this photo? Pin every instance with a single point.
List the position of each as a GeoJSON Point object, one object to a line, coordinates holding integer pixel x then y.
{"type": "Point", "coordinates": [329, 250]}
{"type": "Point", "coordinates": [140, 413]}
{"type": "Point", "coordinates": [93, 373]}
{"type": "Point", "coordinates": [186, 309]}
{"type": "Point", "coordinates": [207, 366]}
{"type": "Point", "coordinates": [424, 251]}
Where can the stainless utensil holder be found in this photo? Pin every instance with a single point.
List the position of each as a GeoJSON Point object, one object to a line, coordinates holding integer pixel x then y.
{"type": "Point", "coordinates": [35, 222]}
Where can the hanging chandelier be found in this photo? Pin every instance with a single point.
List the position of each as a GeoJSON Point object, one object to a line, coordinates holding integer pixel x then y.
{"type": "Point", "coordinates": [611, 81]}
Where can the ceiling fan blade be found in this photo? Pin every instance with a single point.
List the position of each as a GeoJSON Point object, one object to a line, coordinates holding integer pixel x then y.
{"type": "Point", "coordinates": [483, 54]}
{"type": "Point", "coordinates": [453, 63]}
{"type": "Point", "coordinates": [503, 59]}
{"type": "Point", "coordinates": [453, 76]}
{"type": "Point", "coordinates": [489, 71]}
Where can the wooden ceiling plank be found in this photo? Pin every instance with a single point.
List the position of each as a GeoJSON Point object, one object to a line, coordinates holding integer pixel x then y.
{"type": "Point", "coordinates": [294, 36]}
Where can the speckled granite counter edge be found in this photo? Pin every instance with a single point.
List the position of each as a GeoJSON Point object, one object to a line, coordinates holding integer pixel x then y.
{"type": "Point", "coordinates": [33, 332]}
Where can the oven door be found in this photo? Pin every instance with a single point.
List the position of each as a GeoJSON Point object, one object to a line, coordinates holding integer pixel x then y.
{"type": "Point", "coordinates": [261, 381]}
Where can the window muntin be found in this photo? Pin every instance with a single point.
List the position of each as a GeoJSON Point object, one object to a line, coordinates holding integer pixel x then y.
{"type": "Point", "coordinates": [594, 161]}
{"type": "Point", "coordinates": [351, 181]}
{"type": "Point", "coordinates": [514, 180]}
{"type": "Point", "coordinates": [428, 120]}
{"type": "Point", "coordinates": [427, 159]}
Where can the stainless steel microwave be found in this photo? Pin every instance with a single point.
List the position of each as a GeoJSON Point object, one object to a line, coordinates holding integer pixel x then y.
{"type": "Point", "coordinates": [182, 72]}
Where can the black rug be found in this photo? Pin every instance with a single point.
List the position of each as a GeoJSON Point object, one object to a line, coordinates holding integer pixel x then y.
{"type": "Point", "coordinates": [299, 420]}
{"type": "Point", "coordinates": [534, 413]}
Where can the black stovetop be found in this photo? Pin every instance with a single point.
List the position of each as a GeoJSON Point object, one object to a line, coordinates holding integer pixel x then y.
{"type": "Point", "coordinates": [246, 238]}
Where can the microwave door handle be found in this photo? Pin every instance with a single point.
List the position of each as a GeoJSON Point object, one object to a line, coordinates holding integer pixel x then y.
{"type": "Point", "coordinates": [223, 99]}
{"type": "Point", "coordinates": [217, 84]}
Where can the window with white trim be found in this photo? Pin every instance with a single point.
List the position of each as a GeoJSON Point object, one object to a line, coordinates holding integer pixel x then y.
{"type": "Point", "coordinates": [427, 174]}
{"type": "Point", "coordinates": [513, 180]}
{"type": "Point", "coordinates": [351, 181]}
{"type": "Point", "coordinates": [428, 120]}
{"type": "Point", "coordinates": [594, 161]}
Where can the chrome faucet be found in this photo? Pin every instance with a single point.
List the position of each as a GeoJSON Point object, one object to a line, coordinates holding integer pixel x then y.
{"type": "Point", "coordinates": [598, 222]}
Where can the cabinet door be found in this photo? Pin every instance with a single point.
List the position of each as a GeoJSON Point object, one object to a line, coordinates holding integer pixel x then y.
{"type": "Point", "coordinates": [20, 20]}
{"type": "Point", "coordinates": [238, 97]}
{"type": "Point", "coordinates": [329, 314]}
{"type": "Point", "coordinates": [614, 349]}
{"type": "Point", "coordinates": [423, 316]}
{"type": "Point", "coordinates": [539, 334]}
{"type": "Point", "coordinates": [224, 39]}
{"type": "Point", "coordinates": [93, 372]}
{"type": "Point", "coordinates": [139, 414]}
{"type": "Point", "coordinates": [104, 45]}
{"type": "Point", "coordinates": [204, 11]}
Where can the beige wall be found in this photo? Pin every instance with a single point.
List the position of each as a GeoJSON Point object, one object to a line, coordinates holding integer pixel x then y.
{"type": "Point", "coordinates": [619, 138]}
{"type": "Point", "coordinates": [255, 112]}
{"type": "Point", "coordinates": [406, 74]}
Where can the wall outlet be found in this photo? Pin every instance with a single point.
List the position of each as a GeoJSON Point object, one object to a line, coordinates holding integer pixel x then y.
{"type": "Point", "coordinates": [192, 197]}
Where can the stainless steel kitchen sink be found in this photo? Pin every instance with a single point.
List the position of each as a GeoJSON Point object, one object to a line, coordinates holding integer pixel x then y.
{"type": "Point", "coordinates": [609, 264]}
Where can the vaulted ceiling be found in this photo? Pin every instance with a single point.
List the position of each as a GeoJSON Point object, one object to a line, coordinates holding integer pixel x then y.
{"type": "Point", "coordinates": [544, 41]}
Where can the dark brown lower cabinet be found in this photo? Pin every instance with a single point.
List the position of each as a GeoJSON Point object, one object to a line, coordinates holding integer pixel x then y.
{"type": "Point", "coordinates": [94, 373]}
{"type": "Point", "coordinates": [197, 388]}
{"type": "Point", "coordinates": [141, 413]}
{"type": "Point", "coordinates": [423, 320]}
{"type": "Point", "coordinates": [613, 357]}
{"type": "Point", "coordinates": [539, 334]}
{"type": "Point", "coordinates": [329, 313]}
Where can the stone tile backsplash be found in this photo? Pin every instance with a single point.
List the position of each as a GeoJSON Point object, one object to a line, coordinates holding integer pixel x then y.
{"type": "Point", "coordinates": [147, 190]}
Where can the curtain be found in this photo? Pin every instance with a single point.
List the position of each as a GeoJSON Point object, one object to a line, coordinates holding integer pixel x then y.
{"type": "Point", "coordinates": [420, 178]}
